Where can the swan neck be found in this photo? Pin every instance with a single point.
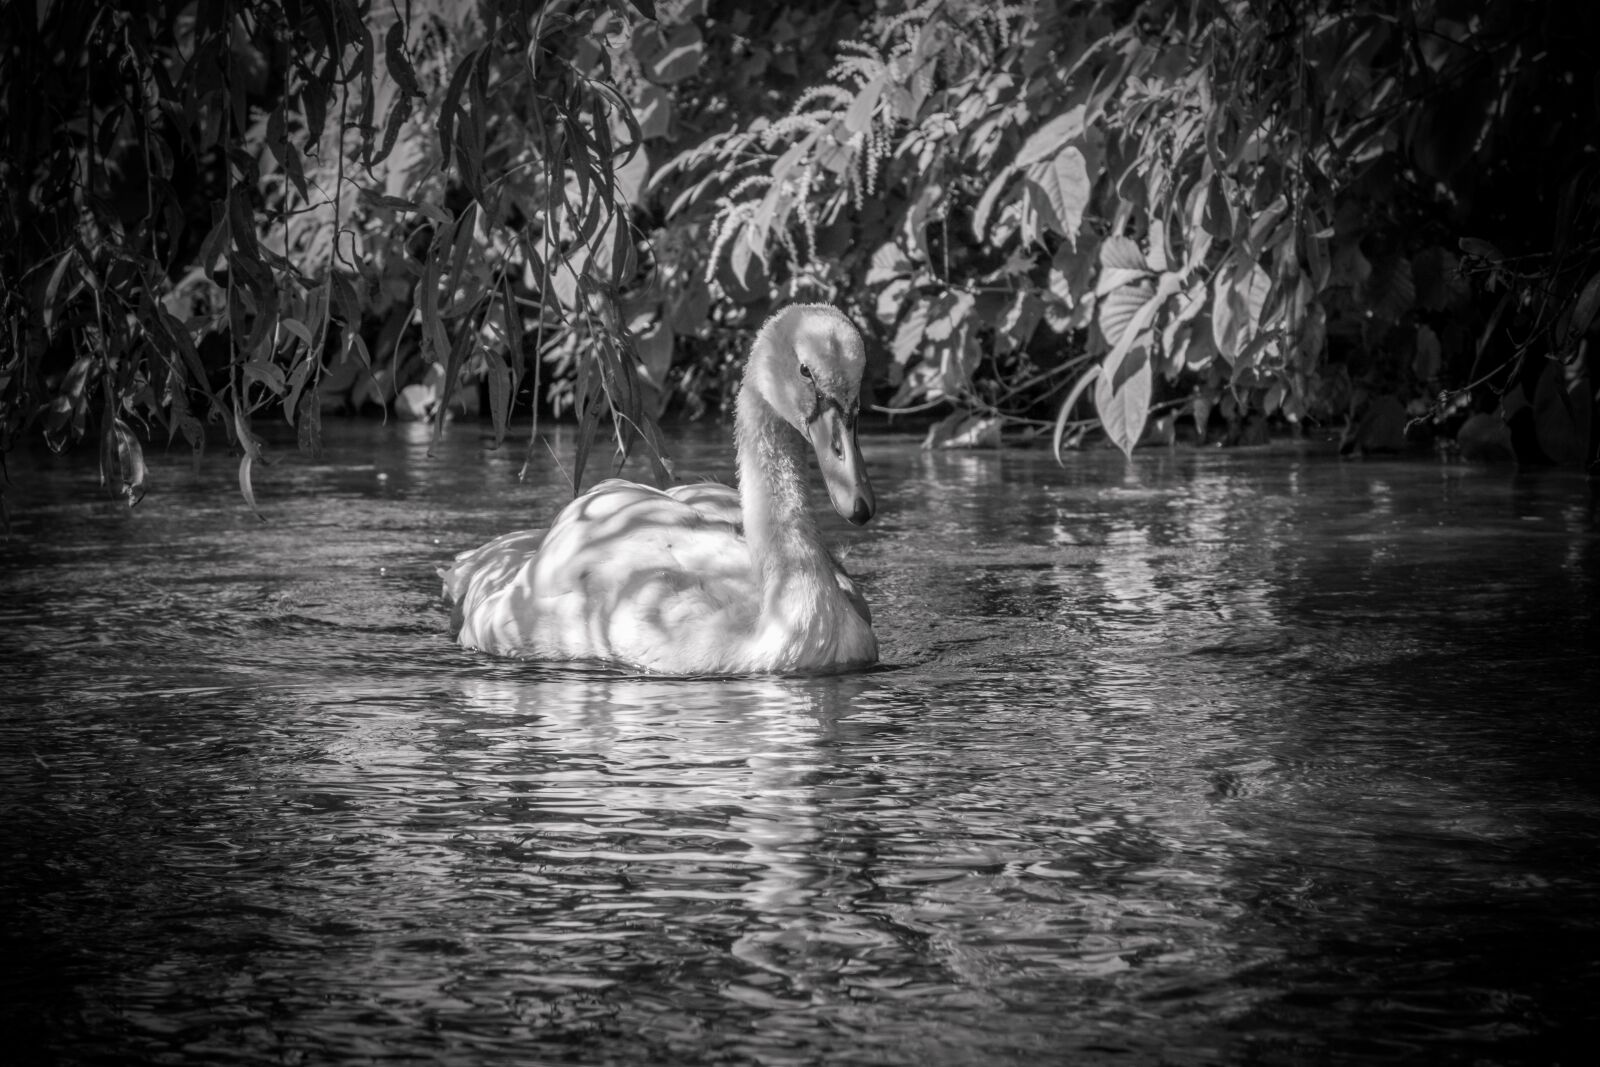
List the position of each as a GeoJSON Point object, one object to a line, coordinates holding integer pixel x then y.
{"type": "Point", "coordinates": [772, 484]}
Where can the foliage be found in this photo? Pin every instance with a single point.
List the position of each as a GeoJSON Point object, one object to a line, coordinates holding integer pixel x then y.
{"type": "Point", "coordinates": [1255, 205]}
{"type": "Point", "coordinates": [221, 205]}
{"type": "Point", "coordinates": [1230, 209]}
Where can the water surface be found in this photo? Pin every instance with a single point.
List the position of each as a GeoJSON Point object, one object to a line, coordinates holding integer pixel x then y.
{"type": "Point", "coordinates": [1214, 758]}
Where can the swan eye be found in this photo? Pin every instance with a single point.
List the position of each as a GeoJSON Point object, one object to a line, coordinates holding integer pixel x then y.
{"type": "Point", "coordinates": [805, 372]}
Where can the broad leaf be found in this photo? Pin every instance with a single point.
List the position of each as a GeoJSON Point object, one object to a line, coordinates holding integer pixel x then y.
{"type": "Point", "coordinates": [1123, 409]}
{"type": "Point", "coordinates": [1136, 330]}
{"type": "Point", "coordinates": [1236, 308]}
{"type": "Point", "coordinates": [1063, 183]}
{"type": "Point", "coordinates": [1123, 253]}
{"type": "Point", "coordinates": [1051, 138]}
{"type": "Point", "coordinates": [908, 338]}
{"type": "Point", "coordinates": [1119, 307]}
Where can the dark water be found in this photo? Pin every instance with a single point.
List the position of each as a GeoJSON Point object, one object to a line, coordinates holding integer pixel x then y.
{"type": "Point", "coordinates": [1218, 759]}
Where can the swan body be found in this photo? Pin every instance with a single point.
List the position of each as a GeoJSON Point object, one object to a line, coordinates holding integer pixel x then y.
{"type": "Point", "coordinates": [701, 579]}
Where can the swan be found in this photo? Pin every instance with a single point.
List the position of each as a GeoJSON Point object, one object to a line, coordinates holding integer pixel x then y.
{"type": "Point", "coordinates": [701, 579]}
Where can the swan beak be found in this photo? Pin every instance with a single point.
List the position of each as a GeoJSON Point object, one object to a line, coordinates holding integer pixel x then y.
{"type": "Point", "coordinates": [845, 472]}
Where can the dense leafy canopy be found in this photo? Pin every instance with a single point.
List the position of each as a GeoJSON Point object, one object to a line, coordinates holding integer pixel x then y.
{"type": "Point", "coordinates": [1052, 215]}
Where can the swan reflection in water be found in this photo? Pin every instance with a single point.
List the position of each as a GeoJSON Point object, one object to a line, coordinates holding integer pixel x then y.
{"type": "Point", "coordinates": [710, 795]}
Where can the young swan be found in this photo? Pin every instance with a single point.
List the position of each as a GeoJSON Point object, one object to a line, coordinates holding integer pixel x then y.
{"type": "Point", "coordinates": [701, 579]}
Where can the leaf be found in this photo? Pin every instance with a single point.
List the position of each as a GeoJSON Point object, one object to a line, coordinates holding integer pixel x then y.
{"type": "Point", "coordinates": [1086, 379]}
{"type": "Point", "coordinates": [1236, 309]}
{"type": "Point", "coordinates": [1317, 256]}
{"type": "Point", "coordinates": [986, 202]}
{"type": "Point", "coordinates": [314, 103]}
{"type": "Point", "coordinates": [631, 179]}
{"type": "Point", "coordinates": [383, 201]}
{"type": "Point", "coordinates": [399, 111]}
{"type": "Point", "coordinates": [309, 423]}
{"type": "Point", "coordinates": [297, 382]}
{"type": "Point", "coordinates": [252, 452]}
{"type": "Point", "coordinates": [54, 284]}
{"type": "Point", "coordinates": [449, 108]}
{"type": "Point", "coordinates": [268, 374]}
{"type": "Point", "coordinates": [368, 83]}
{"type": "Point", "coordinates": [400, 68]}
{"type": "Point", "coordinates": [215, 240]}
{"type": "Point", "coordinates": [463, 240]}
{"type": "Point", "coordinates": [858, 116]}
{"type": "Point", "coordinates": [1071, 277]}
{"type": "Point", "coordinates": [1051, 138]}
{"type": "Point", "coordinates": [1136, 332]}
{"type": "Point", "coordinates": [1200, 411]}
{"type": "Point", "coordinates": [1118, 308]}
{"type": "Point", "coordinates": [948, 313]}
{"type": "Point", "coordinates": [908, 338]}
{"type": "Point", "coordinates": [1022, 317]}
{"type": "Point", "coordinates": [465, 344]}
{"type": "Point", "coordinates": [1063, 182]}
{"type": "Point", "coordinates": [1261, 228]}
{"type": "Point", "coordinates": [1122, 253]}
{"type": "Point", "coordinates": [1158, 246]}
{"type": "Point", "coordinates": [1217, 216]}
{"type": "Point", "coordinates": [122, 462]}
{"type": "Point", "coordinates": [298, 328]}
{"type": "Point", "coordinates": [679, 58]}
{"type": "Point", "coordinates": [498, 376]}
{"type": "Point", "coordinates": [246, 485]}
{"type": "Point", "coordinates": [1583, 312]}
{"type": "Point", "coordinates": [1123, 410]}
{"type": "Point", "coordinates": [242, 225]}
{"type": "Point", "coordinates": [294, 167]}
{"type": "Point", "coordinates": [888, 262]}
{"type": "Point", "coordinates": [435, 341]}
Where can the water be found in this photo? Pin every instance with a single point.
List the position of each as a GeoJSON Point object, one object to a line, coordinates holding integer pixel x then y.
{"type": "Point", "coordinates": [1224, 758]}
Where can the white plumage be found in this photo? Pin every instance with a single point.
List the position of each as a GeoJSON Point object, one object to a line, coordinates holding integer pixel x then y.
{"type": "Point", "coordinates": [701, 579]}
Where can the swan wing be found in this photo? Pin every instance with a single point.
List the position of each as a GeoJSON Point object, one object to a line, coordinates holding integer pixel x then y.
{"type": "Point", "coordinates": [492, 564]}
{"type": "Point", "coordinates": [626, 573]}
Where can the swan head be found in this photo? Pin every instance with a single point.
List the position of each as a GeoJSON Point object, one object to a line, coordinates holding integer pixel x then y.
{"type": "Point", "coordinates": [807, 364]}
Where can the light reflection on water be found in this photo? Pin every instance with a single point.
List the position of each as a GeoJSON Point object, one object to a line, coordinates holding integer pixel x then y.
{"type": "Point", "coordinates": [1222, 758]}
